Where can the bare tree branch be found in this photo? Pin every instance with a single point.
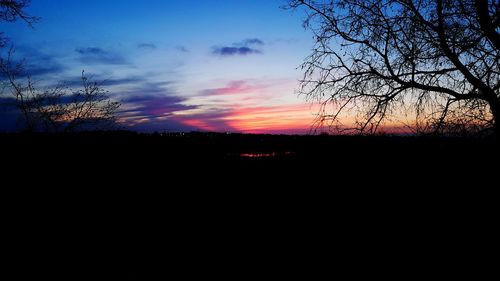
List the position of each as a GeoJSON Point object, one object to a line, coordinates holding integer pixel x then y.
{"type": "Point", "coordinates": [60, 109]}
{"type": "Point", "coordinates": [380, 60]}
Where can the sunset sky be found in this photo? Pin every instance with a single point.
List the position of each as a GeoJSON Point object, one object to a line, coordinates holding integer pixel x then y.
{"type": "Point", "coordinates": [176, 65]}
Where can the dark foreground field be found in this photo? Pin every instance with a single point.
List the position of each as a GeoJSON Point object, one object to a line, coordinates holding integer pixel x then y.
{"type": "Point", "coordinates": [126, 206]}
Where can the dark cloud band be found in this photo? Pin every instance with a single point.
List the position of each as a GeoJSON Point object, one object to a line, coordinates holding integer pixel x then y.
{"type": "Point", "coordinates": [93, 55]}
{"type": "Point", "coordinates": [232, 51]}
{"type": "Point", "coordinates": [243, 48]}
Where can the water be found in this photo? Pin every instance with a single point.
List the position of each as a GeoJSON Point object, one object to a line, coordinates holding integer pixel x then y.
{"type": "Point", "coordinates": [266, 155]}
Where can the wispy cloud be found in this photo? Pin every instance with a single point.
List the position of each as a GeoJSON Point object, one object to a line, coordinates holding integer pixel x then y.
{"type": "Point", "coordinates": [123, 81]}
{"type": "Point", "coordinates": [156, 106]}
{"type": "Point", "coordinates": [294, 118]}
{"type": "Point", "coordinates": [34, 62]}
{"type": "Point", "coordinates": [91, 51]}
{"type": "Point", "coordinates": [182, 49]}
{"type": "Point", "coordinates": [155, 113]}
{"type": "Point", "coordinates": [152, 106]}
{"type": "Point", "coordinates": [145, 87]}
{"type": "Point", "coordinates": [250, 106]}
{"type": "Point", "coordinates": [147, 46]}
{"type": "Point", "coordinates": [232, 51]}
{"type": "Point", "coordinates": [243, 48]}
{"type": "Point", "coordinates": [94, 55]}
{"type": "Point", "coordinates": [212, 120]}
{"type": "Point", "coordinates": [149, 105]}
{"type": "Point", "coordinates": [105, 81]}
{"type": "Point", "coordinates": [233, 88]}
{"type": "Point", "coordinates": [40, 68]}
{"type": "Point", "coordinates": [252, 41]}
{"type": "Point", "coordinates": [141, 83]}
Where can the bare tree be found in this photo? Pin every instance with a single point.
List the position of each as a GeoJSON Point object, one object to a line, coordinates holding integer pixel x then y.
{"type": "Point", "coordinates": [60, 109]}
{"type": "Point", "coordinates": [9, 70]}
{"type": "Point", "coordinates": [12, 10]}
{"type": "Point", "coordinates": [434, 64]}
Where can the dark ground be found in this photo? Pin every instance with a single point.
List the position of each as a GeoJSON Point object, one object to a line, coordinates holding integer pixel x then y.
{"type": "Point", "coordinates": [126, 206]}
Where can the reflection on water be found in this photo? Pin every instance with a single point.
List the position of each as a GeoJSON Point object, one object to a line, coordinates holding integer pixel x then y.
{"type": "Point", "coordinates": [264, 155]}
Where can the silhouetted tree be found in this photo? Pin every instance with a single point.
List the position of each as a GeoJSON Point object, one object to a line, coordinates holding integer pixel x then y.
{"type": "Point", "coordinates": [433, 61]}
{"type": "Point", "coordinates": [60, 109]}
{"type": "Point", "coordinates": [11, 10]}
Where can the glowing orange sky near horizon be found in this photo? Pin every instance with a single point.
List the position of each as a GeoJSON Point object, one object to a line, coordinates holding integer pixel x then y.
{"type": "Point", "coordinates": [296, 118]}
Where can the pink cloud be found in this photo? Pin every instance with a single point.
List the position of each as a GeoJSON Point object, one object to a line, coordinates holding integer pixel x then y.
{"type": "Point", "coordinates": [234, 88]}
{"type": "Point", "coordinates": [202, 125]}
{"type": "Point", "coordinates": [288, 119]}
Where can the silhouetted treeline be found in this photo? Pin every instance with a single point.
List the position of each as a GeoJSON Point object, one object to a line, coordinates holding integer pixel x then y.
{"type": "Point", "coordinates": [196, 146]}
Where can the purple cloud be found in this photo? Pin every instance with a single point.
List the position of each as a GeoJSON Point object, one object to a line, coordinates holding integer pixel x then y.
{"type": "Point", "coordinates": [242, 48]}
{"type": "Point", "coordinates": [210, 121]}
{"type": "Point", "coordinates": [232, 51]}
{"type": "Point", "coordinates": [151, 106]}
{"type": "Point", "coordinates": [147, 113]}
{"type": "Point", "coordinates": [168, 125]}
{"type": "Point", "coordinates": [237, 87]}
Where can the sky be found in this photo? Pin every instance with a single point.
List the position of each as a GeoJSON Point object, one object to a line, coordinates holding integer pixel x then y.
{"type": "Point", "coordinates": [176, 65]}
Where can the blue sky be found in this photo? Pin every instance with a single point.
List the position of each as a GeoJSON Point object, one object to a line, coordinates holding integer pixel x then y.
{"type": "Point", "coordinates": [176, 65]}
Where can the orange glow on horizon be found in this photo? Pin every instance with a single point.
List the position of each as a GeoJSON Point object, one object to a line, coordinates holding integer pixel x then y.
{"type": "Point", "coordinates": [275, 119]}
{"type": "Point", "coordinates": [296, 118]}
{"type": "Point", "coordinates": [202, 125]}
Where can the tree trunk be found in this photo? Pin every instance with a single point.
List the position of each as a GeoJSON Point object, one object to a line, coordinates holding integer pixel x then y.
{"type": "Point", "coordinates": [495, 110]}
